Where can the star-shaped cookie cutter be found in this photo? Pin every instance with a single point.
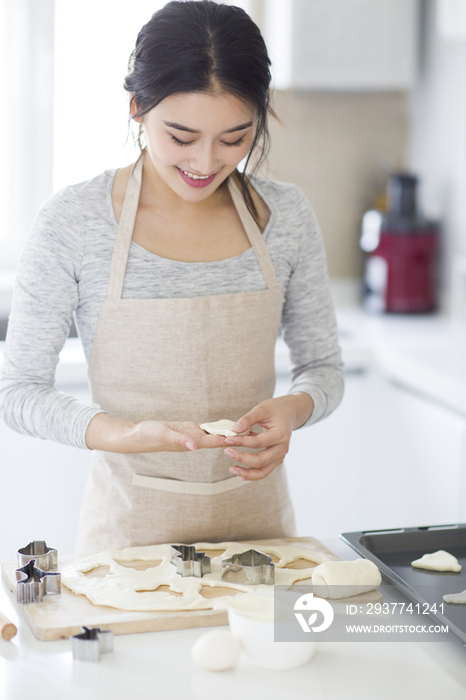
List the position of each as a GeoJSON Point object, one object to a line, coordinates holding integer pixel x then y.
{"type": "Point", "coordinates": [91, 643]}
{"type": "Point", "coordinates": [46, 557]}
{"type": "Point", "coordinates": [251, 568]}
{"type": "Point", "coordinates": [32, 583]}
{"type": "Point", "coordinates": [188, 562]}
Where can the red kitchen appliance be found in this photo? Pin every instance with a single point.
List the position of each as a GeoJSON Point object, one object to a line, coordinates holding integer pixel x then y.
{"type": "Point", "coordinates": [402, 253]}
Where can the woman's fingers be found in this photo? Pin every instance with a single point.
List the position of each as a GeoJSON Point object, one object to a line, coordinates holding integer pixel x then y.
{"type": "Point", "coordinates": [174, 437]}
{"type": "Point", "coordinates": [261, 459]}
{"type": "Point", "coordinates": [193, 442]}
{"type": "Point", "coordinates": [255, 415]}
{"type": "Point", "coordinates": [256, 440]}
{"type": "Point", "coordinates": [272, 443]}
{"type": "Point", "coordinates": [208, 441]}
{"type": "Point", "coordinates": [171, 437]}
{"type": "Point", "coordinates": [255, 474]}
{"type": "Point", "coordinates": [202, 439]}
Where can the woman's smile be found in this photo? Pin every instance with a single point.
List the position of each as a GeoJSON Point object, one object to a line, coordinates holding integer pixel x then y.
{"type": "Point", "coordinates": [194, 180]}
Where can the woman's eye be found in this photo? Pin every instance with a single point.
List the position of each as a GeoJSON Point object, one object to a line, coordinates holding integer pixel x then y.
{"type": "Point", "coordinates": [225, 143]}
{"type": "Point", "coordinates": [235, 143]}
{"type": "Point", "coordinates": [181, 143]}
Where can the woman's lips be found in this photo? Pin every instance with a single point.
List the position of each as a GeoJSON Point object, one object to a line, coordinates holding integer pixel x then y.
{"type": "Point", "coordinates": [196, 183]}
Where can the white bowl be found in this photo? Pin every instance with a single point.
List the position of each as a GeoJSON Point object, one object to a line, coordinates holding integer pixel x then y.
{"type": "Point", "coordinates": [251, 619]}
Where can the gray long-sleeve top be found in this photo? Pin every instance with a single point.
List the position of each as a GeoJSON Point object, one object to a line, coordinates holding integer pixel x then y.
{"type": "Point", "coordinates": [64, 270]}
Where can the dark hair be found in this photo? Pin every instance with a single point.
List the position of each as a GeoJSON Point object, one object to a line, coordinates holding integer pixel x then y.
{"type": "Point", "coordinates": [202, 46]}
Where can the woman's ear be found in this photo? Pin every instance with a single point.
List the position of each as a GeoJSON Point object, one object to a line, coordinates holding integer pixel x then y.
{"type": "Point", "coordinates": [134, 109]}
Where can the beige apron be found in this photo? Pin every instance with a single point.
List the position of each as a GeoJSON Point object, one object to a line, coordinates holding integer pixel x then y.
{"type": "Point", "coordinates": [183, 359]}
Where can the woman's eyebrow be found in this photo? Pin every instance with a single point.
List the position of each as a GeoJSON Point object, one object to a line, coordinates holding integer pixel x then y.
{"type": "Point", "coordinates": [180, 127]}
{"type": "Point", "coordinates": [239, 128]}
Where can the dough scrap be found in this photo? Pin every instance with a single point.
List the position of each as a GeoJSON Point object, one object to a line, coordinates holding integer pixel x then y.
{"type": "Point", "coordinates": [437, 561]}
{"type": "Point", "coordinates": [342, 579]}
{"type": "Point", "coordinates": [222, 427]}
{"type": "Point", "coordinates": [130, 589]}
{"type": "Point", "coordinates": [457, 598]}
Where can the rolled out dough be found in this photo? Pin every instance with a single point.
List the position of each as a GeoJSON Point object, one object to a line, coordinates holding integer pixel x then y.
{"type": "Point", "coordinates": [458, 598]}
{"type": "Point", "coordinates": [130, 589]}
{"type": "Point", "coordinates": [342, 579]}
{"type": "Point", "coordinates": [437, 561]}
{"type": "Point", "coordinates": [222, 427]}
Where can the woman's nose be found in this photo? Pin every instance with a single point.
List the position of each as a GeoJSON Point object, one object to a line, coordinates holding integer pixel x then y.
{"type": "Point", "coordinates": [205, 161]}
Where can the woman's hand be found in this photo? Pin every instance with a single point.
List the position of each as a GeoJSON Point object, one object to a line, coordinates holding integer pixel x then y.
{"type": "Point", "coordinates": [154, 436]}
{"type": "Point", "coordinates": [105, 432]}
{"type": "Point", "coordinates": [278, 418]}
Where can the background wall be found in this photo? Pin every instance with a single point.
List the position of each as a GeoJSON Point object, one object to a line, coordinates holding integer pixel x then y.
{"type": "Point", "coordinates": [437, 149]}
{"type": "Point", "coordinates": [339, 147]}
{"type": "Point", "coordinates": [336, 145]}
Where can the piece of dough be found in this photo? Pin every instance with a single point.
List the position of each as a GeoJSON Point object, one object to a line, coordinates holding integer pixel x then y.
{"type": "Point", "coordinates": [342, 579]}
{"type": "Point", "coordinates": [437, 561]}
{"type": "Point", "coordinates": [457, 598]}
{"type": "Point", "coordinates": [131, 589]}
{"type": "Point", "coordinates": [222, 427]}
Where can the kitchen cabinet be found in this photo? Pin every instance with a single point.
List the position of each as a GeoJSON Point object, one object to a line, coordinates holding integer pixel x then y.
{"type": "Point", "coordinates": [387, 457]}
{"type": "Point", "coordinates": [393, 454]}
{"type": "Point", "coordinates": [325, 464]}
{"type": "Point", "coordinates": [342, 44]}
{"type": "Point", "coordinates": [414, 465]}
{"type": "Point", "coordinates": [42, 489]}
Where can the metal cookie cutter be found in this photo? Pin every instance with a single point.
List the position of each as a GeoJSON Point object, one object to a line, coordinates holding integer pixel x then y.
{"type": "Point", "coordinates": [188, 562]}
{"type": "Point", "coordinates": [250, 567]}
{"type": "Point", "coordinates": [32, 583]}
{"type": "Point", "coordinates": [46, 557]}
{"type": "Point", "coordinates": [91, 643]}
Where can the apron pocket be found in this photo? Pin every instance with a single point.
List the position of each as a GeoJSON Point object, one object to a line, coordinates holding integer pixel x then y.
{"type": "Point", "coordinates": [171, 510]}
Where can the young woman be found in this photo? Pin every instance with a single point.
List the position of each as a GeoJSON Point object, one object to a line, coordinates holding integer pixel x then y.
{"type": "Point", "coordinates": [180, 271]}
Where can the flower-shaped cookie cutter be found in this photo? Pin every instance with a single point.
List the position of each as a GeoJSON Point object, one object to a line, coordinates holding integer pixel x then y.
{"type": "Point", "coordinates": [251, 568]}
{"type": "Point", "coordinates": [91, 643]}
{"type": "Point", "coordinates": [188, 562]}
{"type": "Point", "coordinates": [32, 583]}
{"type": "Point", "coordinates": [46, 557]}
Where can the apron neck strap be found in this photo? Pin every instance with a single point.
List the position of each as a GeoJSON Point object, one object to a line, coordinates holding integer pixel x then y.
{"type": "Point", "coordinates": [254, 234]}
{"type": "Point", "coordinates": [125, 231]}
{"type": "Point", "coordinates": [128, 218]}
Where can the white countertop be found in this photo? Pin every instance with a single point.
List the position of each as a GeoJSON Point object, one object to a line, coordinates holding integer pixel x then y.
{"type": "Point", "coordinates": [159, 665]}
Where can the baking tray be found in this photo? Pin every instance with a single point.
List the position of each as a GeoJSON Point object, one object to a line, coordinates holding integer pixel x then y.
{"type": "Point", "coordinates": [394, 550]}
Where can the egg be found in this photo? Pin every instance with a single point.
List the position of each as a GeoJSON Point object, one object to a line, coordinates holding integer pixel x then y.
{"type": "Point", "coordinates": [217, 650]}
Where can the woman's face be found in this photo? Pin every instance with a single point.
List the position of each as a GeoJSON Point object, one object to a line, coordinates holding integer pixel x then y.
{"type": "Point", "coordinates": [195, 140]}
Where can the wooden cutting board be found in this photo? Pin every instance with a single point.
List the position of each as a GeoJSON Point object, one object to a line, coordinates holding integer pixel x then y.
{"type": "Point", "coordinates": [60, 616]}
